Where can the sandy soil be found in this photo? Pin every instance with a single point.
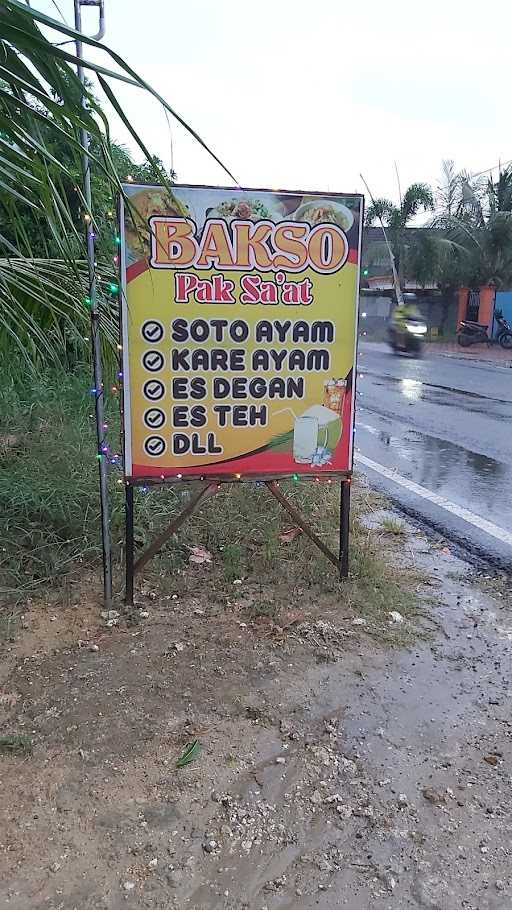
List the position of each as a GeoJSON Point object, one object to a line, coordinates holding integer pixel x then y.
{"type": "Point", "coordinates": [335, 770]}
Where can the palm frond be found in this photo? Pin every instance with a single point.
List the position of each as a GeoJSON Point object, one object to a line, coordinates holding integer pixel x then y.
{"type": "Point", "coordinates": [418, 197]}
{"type": "Point", "coordinates": [43, 308]}
{"type": "Point", "coordinates": [379, 210]}
{"type": "Point", "coordinates": [43, 107]}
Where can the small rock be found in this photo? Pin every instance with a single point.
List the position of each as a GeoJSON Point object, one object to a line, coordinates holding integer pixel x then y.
{"type": "Point", "coordinates": [402, 799]}
{"type": "Point", "coordinates": [499, 884]}
{"type": "Point", "coordinates": [359, 621]}
{"type": "Point", "coordinates": [395, 616]}
{"type": "Point", "coordinates": [143, 614]}
{"type": "Point", "coordinates": [280, 760]}
{"type": "Point", "coordinates": [174, 878]}
{"type": "Point", "coordinates": [344, 811]}
{"type": "Point", "coordinates": [178, 646]}
{"type": "Point", "coordinates": [491, 760]}
{"type": "Point", "coordinates": [111, 617]}
{"type": "Point", "coordinates": [388, 880]}
{"type": "Point", "coordinates": [129, 886]}
{"type": "Point", "coordinates": [433, 796]}
{"type": "Point", "coordinates": [94, 647]}
{"type": "Point", "coordinates": [209, 846]}
{"type": "Point", "coordinates": [55, 867]}
{"type": "Point", "coordinates": [153, 863]}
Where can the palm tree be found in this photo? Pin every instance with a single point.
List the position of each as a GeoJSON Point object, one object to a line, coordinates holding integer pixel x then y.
{"type": "Point", "coordinates": [460, 194]}
{"type": "Point", "coordinates": [41, 114]}
{"type": "Point", "coordinates": [396, 219]}
{"type": "Point", "coordinates": [481, 230]}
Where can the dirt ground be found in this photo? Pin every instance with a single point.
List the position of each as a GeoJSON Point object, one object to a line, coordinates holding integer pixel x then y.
{"type": "Point", "coordinates": [335, 769]}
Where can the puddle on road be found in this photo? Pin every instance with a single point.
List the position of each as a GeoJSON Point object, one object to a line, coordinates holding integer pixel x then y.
{"type": "Point", "coordinates": [417, 390]}
{"type": "Point", "coordinates": [466, 477]}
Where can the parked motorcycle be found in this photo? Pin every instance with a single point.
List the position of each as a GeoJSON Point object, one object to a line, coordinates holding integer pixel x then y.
{"type": "Point", "coordinates": [408, 337]}
{"type": "Point", "coordinates": [475, 333]}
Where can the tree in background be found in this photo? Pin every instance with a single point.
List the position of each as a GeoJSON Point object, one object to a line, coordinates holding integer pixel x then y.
{"type": "Point", "coordinates": [405, 244]}
{"type": "Point", "coordinates": [459, 193]}
{"type": "Point", "coordinates": [476, 215]}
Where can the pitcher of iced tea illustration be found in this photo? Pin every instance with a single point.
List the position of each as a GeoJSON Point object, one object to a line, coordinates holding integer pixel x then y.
{"type": "Point", "coordinates": [334, 395]}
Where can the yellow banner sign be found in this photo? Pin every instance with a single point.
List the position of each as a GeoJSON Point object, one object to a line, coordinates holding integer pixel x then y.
{"type": "Point", "coordinates": [239, 313]}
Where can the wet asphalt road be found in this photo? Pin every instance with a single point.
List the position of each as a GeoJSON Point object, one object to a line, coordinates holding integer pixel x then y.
{"type": "Point", "coordinates": [445, 424]}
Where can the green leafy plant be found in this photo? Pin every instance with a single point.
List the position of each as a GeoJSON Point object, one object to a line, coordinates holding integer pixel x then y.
{"type": "Point", "coordinates": [478, 222]}
{"type": "Point", "coordinates": [417, 198]}
{"type": "Point", "coordinates": [43, 107]}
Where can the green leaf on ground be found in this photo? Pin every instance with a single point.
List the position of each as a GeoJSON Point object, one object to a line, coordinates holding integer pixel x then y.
{"type": "Point", "coordinates": [192, 751]}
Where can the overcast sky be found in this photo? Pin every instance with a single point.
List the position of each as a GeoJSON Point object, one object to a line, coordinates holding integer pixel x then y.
{"type": "Point", "coordinates": [297, 94]}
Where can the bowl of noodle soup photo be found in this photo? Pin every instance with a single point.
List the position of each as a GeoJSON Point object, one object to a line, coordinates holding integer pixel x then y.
{"type": "Point", "coordinates": [324, 211]}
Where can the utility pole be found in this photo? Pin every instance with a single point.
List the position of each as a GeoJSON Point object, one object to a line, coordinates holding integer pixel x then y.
{"type": "Point", "coordinates": [99, 392]}
{"type": "Point", "coordinates": [396, 280]}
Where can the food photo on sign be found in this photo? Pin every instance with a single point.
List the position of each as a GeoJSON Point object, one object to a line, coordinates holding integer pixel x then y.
{"type": "Point", "coordinates": [239, 318]}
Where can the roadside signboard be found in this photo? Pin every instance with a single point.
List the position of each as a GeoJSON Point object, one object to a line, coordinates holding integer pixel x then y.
{"type": "Point", "coordinates": [239, 318]}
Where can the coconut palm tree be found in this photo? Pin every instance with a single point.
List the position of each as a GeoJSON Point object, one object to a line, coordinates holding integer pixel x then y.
{"type": "Point", "coordinates": [43, 106]}
{"type": "Point", "coordinates": [481, 230]}
{"type": "Point", "coordinates": [460, 194]}
{"type": "Point", "coordinates": [396, 220]}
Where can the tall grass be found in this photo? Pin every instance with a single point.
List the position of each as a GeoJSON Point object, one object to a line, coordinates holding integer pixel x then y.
{"type": "Point", "coordinates": [49, 513]}
{"type": "Point", "coordinates": [50, 519]}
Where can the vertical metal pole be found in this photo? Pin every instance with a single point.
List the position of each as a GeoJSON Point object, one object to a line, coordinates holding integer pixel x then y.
{"type": "Point", "coordinates": [95, 335]}
{"type": "Point", "coordinates": [130, 549]}
{"type": "Point", "coordinates": [344, 527]}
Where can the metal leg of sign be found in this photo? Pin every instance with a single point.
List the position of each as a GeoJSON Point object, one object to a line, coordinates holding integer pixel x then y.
{"type": "Point", "coordinates": [176, 523]}
{"type": "Point", "coordinates": [301, 522]}
{"type": "Point", "coordinates": [130, 548]}
{"type": "Point", "coordinates": [344, 527]}
{"type": "Point", "coordinates": [94, 307]}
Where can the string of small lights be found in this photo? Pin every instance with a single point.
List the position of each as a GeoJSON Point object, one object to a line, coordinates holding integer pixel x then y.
{"type": "Point", "coordinates": [110, 287]}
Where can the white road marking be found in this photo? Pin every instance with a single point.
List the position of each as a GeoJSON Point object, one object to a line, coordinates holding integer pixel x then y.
{"type": "Point", "coordinates": [458, 511]}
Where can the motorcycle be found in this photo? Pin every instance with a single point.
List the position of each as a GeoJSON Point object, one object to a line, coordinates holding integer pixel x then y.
{"type": "Point", "coordinates": [407, 338]}
{"type": "Point", "coordinates": [475, 333]}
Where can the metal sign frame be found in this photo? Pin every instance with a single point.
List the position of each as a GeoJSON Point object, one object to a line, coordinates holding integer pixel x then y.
{"type": "Point", "coordinates": [211, 484]}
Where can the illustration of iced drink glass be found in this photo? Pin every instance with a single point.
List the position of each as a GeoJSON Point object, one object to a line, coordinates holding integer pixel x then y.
{"type": "Point", "coordinates": [334, 394]}
{"type": "Point", "coordinates": [305, 439]}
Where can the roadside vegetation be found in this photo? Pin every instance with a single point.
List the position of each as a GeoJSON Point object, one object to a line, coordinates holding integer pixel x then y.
{"type": "Point", "coordinates": [49, 518]}
{"type": "Point", "coordinates": [466, 235]}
